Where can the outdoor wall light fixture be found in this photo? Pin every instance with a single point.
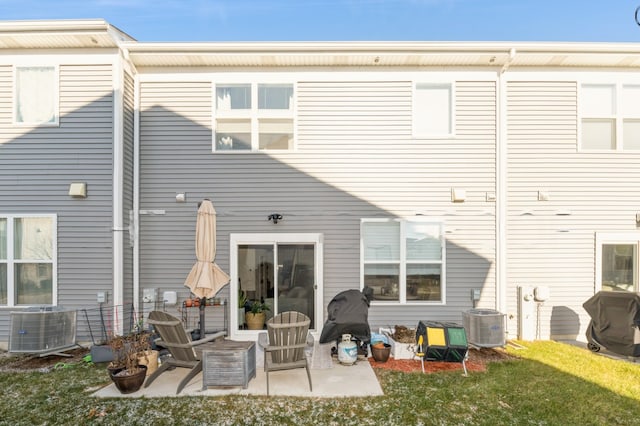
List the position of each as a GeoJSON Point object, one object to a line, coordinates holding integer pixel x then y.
{"type": "Point", "coordinates": [458, 195]}
{"type": "Point", "coordinates": [274, 217]}
{"type": "Point", "coordinates": [78, 190]}
{"type": "Point", "coordinates": [181, 197]}
{"type": "Point", "coordinates": [543, 195]}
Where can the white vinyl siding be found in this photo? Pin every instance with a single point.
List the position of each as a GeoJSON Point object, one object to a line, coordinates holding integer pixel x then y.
{"type": "Point", "coordinates": [341, 115]}
{"type": "Point", "coordinates": [542, 153]}
{"type": "Point", "coordinates": [551, 242]}
{"type": "Point", "coordinates": [355, 157]}
{"type": "Point", "coordinates": [39, 163]}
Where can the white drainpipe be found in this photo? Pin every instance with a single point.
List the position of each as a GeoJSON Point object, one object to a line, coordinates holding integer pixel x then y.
{"type": "Point", "coordinates": [118, 179]}
{"type": "Point", "coordinates": [135, 220]}
{"type": "Point", "coordinates": [502, 189]}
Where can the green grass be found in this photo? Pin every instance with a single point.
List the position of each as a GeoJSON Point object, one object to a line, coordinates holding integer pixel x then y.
{"type": "Point", "coordinates": [550, 384]}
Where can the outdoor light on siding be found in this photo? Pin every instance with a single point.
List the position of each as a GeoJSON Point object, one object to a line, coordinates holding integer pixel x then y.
{"type": "Point", "coordinates": [458, 195]}
{"type": "Point", "coordinates": [181, 197]}
{"type": "Point", "coordinates": [274, 217]}
{"type": "Point", "coordinates": [78, 190]}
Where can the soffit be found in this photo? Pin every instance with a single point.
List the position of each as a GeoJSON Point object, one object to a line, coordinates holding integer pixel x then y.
{"type": "Point", "coordinates": [66, 34]}
{"type": "Point", "coordinates": [382, 54]}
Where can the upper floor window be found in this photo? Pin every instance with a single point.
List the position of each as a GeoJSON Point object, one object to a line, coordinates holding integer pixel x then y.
{"type": "Point", "coordinates": [27, 260]}
{"type": "Point", "coordinates": [610, 117]}
{"type": "Point", "coordinates": [253, 117]}
{"type": "Point", "coordinates": [403, 260]}
{"type": "Point", "coordinates": [433, 113]}
{"type": "Point", "coordinates": [36, 96]}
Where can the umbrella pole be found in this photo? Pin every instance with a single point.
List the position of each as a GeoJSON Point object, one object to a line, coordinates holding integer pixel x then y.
{"type": "Point", "coordinates": [203, 301]}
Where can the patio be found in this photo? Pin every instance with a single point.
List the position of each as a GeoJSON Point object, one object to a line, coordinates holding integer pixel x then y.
{"type": "Point", "coordinates": [357, 380]}
{"type": "Point", "coordinates": [330, 380]}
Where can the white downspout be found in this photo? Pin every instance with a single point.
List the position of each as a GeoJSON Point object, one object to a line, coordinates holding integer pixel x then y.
{"type": "Point", "coordinates": [135, 220]}
{"type": "Point", "coordinates": [502, 188]}
{"type": "Point", "coordinates": [118, 179]}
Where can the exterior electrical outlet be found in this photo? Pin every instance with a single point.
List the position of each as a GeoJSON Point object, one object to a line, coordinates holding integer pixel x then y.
{"type": "Point", "coordinates": [148, 295]}
{"type": "Point", "coordinates": [475, 294]}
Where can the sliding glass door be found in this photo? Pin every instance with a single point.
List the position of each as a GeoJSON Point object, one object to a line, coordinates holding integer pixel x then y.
{"type": "Point", "coordinates": [282, 271]}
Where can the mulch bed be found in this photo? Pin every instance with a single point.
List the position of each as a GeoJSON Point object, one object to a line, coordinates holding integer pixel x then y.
{"type": "Point", "coordinates": [26, 362]}
{"type": "Point", "coordinates": [478, 360]}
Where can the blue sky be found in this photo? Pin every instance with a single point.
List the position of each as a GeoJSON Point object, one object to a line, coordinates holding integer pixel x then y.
{"type": "Point", "coordinates": [348, 20]}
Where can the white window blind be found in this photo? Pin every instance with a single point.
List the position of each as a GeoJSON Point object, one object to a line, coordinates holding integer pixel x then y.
{"type": "Point", "coordinates": [35, 100]}
{"type": "Point", "coordinates": [610, 117]}
{"type": "Point", "coordinates": [432, 110]}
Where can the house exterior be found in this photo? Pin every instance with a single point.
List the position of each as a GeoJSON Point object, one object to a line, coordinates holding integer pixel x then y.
{"type": "Point", "coordinates": [445, 176]}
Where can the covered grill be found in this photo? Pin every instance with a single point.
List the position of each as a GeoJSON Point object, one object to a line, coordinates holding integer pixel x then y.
{"type": "Point", "coordinates": [615, 322]}
{"type": "Point", "coordinates": [348, 313]}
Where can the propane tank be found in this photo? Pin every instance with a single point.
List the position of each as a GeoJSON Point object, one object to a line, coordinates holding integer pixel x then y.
{"type": "Point", "coordinates": [347, 350]}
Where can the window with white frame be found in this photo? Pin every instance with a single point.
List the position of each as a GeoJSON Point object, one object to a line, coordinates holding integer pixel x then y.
{"type": "Point", "coordinates": [253, 117]}
{"type": "Point", "coordinates": [610, 117]}
{"type": "Point", "coordinates": [433, 113]}
{"type": "Point", "coordinates": [36, 95]}
{"type": "Point", "coordinates": [403, 260]}
{"type": "Point", "coordinates": [27, 260]}
{"type": "Point", "coordinates": [617, 259]}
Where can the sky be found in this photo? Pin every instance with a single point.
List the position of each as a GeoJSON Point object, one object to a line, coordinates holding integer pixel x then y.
{"type": "Point", "coordinates": [348, 20]}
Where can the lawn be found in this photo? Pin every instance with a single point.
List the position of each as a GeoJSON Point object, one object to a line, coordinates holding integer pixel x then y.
{"type": "Point", "coordinates": [549, 384]}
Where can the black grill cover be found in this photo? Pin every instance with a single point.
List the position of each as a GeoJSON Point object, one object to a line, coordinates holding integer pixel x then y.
{"type": "Point", "coordinates": [348, 313]}
{"type": "Point", "coordinates": [615, 321]}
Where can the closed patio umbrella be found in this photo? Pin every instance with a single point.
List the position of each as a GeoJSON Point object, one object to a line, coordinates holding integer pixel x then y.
{"type": "Point", "coordinates": [206, 278]}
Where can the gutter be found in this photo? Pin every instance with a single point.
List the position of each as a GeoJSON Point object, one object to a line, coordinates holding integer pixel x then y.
{"type": "Point", "coordinates": [389, 47]}
{"type": "Point", "coordinates": [65, 26]}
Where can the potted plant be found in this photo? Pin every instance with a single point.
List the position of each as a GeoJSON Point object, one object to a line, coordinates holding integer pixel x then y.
{"type": "Point", "coordinates": [125, 370]}
{"type": "Point", "coordinates": [380, 351]}
{"type": "Point", "coordinates": [255, 318]}
{"type": "Point", "coordinates": [242, 301]}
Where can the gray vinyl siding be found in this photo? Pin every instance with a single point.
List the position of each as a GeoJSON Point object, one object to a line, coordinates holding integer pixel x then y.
{"type": "Point", "coordinates": [127, 191]}
{"type": "Point", "coordinates": [355, 158]}
{"type": "Point", "coordinates": [552, 243]}
{"type": "Point", "coordinates": [175, 156]}
{"type": "Point", "coordinates": [38, 164]}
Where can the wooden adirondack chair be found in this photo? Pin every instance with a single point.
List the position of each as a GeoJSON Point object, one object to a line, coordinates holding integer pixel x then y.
{"type": "Point", "coordinates": [175, 338]}
{"type": "Point", "coordinates": [287, 339]}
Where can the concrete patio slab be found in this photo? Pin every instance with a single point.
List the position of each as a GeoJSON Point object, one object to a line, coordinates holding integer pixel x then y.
{"type": "Point", "coordinates": [357, 380]}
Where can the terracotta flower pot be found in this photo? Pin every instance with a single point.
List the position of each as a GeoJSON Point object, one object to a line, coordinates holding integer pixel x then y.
{"type": "Point", "coordinates": [381, 354]}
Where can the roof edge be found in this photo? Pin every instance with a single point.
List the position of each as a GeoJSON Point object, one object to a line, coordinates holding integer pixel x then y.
{"type": "Point", "coordinates": [64, 26]}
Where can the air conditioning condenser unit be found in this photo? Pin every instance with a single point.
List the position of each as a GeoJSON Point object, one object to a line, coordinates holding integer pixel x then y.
{"type": "Point", "coordinates": [484, 327]}
{"type": "Point", "coordinates": [42, 331]}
